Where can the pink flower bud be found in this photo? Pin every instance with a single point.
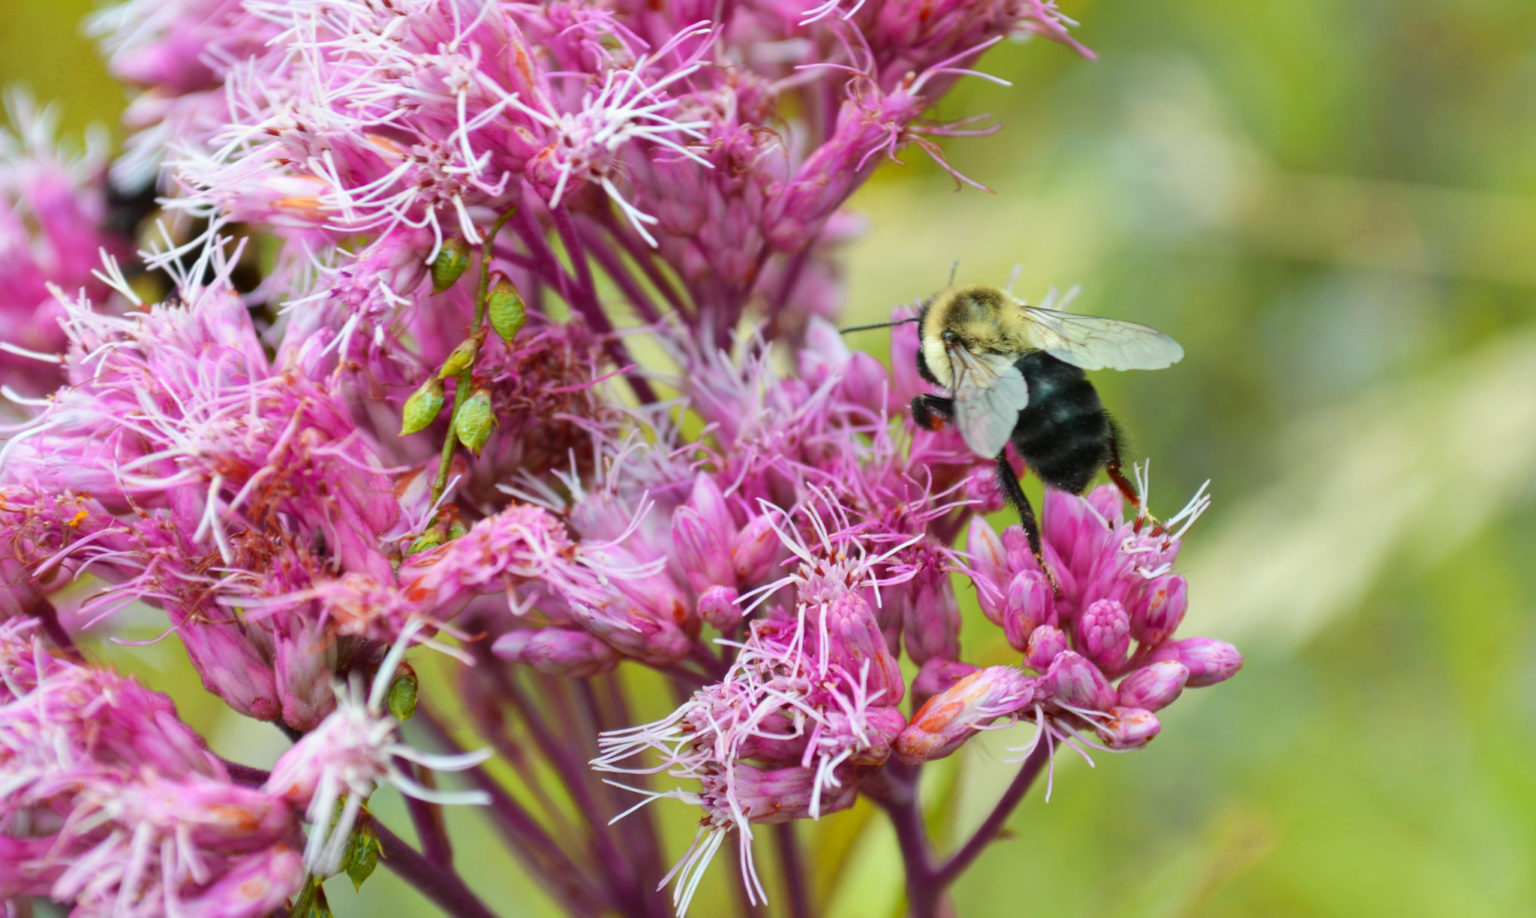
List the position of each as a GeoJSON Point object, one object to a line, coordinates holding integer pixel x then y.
{"type": "Point", "coordinates": [1104, 634]}
{"type": "Point", "coordinates": [302, 663]}
{"type": "Point", "coordinates": [702, 552]}
{"type": "Point", "coordinates": [948, 719]}
{"type": "Point", "coordinates": [980, 487]}
{"type": "Point", "coordinates": [1074, 681]}
{"type": "Point", "coordinates": [719, 607]}
{"type": "Point", "coordinates": [709, 501]}
{"type": "Point", "coordinates": [1154, 686]}
{"type": "Point", "coordinates": [1045, 644]}
{"type": "Point", "coordinates": [649, 640]}
{"type": "Point", "coordinates": [1161, 609]}
{"type": "Point", "coordinates": [1129, 728]}
{"type": "Point", "coordinates": [854, 641]}
{"type": "Point", "coordinates": [988, 555]}
{"type": "Point", "coordinates": [1029, 605]}
{"type": "Point", "coordinates": [231, 667]}
{"type": "Point", "coordinates": [776, 795]}
{"type": "Point", "coordinates": [1209, 661]}
{"type": "Point", "coordinates": [931, 617]}
{"type": "Point", "coordinates": [864, 381]}
{"type": "Point", "coordinates": [882, 724]}
{"type": "Point", "coordinates": [937, 675]}
{"type": "Point", "coordinates": [557, 651]}
{"type": "Point", "coordinates": [755, 550]}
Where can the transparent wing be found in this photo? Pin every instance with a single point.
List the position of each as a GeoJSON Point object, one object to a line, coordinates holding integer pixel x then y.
{"type": "Point", "coordinates": [1094, 342]}
{"type": "Point", "coordinates": [989, 394]}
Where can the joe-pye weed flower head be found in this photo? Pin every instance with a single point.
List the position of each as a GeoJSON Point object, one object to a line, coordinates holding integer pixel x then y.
{"type": "Point", "coordinates": [374, 381]}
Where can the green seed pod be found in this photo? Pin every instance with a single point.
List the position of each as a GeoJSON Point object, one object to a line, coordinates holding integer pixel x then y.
{"type": "Point", "coordinates": [425, 542]}
{"type": "Point", "coordinates": [362, 853]}
{"type": "Point", "coordinates": [474, 420]}
{"type": "Point", "coordinates": [422, 407]}
{"type": "Point", "coordinates": [402, 693]}
{"type": "Point", "coordinates": [462, 358]}
{"type": "Point", "coordinates": [505, 309]}
{"type": "Point", "coordinates": [451, 263]}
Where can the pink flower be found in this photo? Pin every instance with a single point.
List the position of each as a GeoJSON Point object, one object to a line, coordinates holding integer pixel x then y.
{"type": "Point", "coordinates": [114, 804]}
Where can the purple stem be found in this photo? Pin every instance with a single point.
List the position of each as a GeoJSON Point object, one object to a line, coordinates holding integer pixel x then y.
{"type": "Point", "coordinates": [585, 301]}
{"type": "Point", "coordinates": [443, 886]}
{"type": "Point", "coordinates": [614, 268]}
{"type": "Point", "coordinates": [795, 889]}
{"type": "Point", "coordinates": [245, 774]}
{"type": "Point", "coordinates": [44, 612]}
{"type": "Point", "coordinates": [545, 861]}
{"type": "Point", "coordinates": [646, 259]}
{"type": "Point", "coordinates": [923, 894]}
{"type": "Point", "coordinates": [573, 772]}
{"type": "Point", "coordinates": [427, 818]}
{"type": "Point", "coordinates": [647, 845]}
{"type": "Point", "coordinates": [993, 824]}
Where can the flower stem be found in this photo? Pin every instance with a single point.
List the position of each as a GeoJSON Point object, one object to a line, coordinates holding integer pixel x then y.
{"type": "Point", "coordinates": [443, 886]}
{"type": "Point", "coordinates": [993, 824]}
{"type": "Point", "coordinates": [466, 376]}
{"type": "Point", "coordinates": [793, 870]}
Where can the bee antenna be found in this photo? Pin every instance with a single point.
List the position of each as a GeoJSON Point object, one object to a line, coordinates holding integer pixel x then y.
{"type": "Point", "coordinates": [854, 328]}
{"type": "Point", "coordinates": [954, 268]}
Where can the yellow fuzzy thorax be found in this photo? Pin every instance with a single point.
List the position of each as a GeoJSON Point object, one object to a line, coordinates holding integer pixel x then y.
{"type": "Point", "coordinates": [982, 319]}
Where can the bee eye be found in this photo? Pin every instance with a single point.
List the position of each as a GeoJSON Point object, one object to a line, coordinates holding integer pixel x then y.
{"type": "Point", "coordinates": [949, 336]}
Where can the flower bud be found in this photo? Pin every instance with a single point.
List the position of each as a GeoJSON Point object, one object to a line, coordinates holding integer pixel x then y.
{"type": "Point", "coordinates": [473, 421]}
{"type": "Point", "coordinates": [460, 358]}
{"type": "Point", "coordinates": [948, 719]}
{"type": "Point", "coordinates": [709, 501]}
{"type": "Point", "coordinates": [557, 651]}
{"type": "Point", "coordinates": [937, 675]}
{"type": "Point", "coordinates": [654, 641]}
{"type": "Point", "coordinates": [1209, 661]}
{"type": "Point", "coordinates": [1129, 728]}
{"type": "Point", "coordinates": [755, 550]}
{"type": "Point", "coordinates": [422, 407]}
{"type": "Point", "coordinates": [1104, 634]}
{"type": "Point", "coordinates": [1045, 644]}
{"type": "Point", "coordinates": [777, 795]}
{"type": "Point", "coordinates": [1154, 686]}
{"type": "Point", "coordinates": [504, 307]}
{"type": "Point", "coordinates": [1161, 609]}
{"type": "Point", "coordinates": [1072, 681]}
{"type": "Point", "coordinates": [718, 607]}
{"type": "Point", "coordinates": [1028, 605]}
{"type": "Point", "coordinates": [451, 263]}
{"type": "Point", "coordinates": [854, 641]}
{"type": "Point", "coordinates": [930, 617]}
{"type": "Point", "coordinates": [704, 556]}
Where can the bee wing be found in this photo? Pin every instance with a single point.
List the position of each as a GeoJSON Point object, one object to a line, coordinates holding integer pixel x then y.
{"type": "Point", "coordinates": [1094, 342]}
{"type": "Point", "coordinates": [989, 394]}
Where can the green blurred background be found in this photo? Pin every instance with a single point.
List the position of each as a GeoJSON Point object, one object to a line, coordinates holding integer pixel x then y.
{"type": "Point", "coordinates": [1333, 207]}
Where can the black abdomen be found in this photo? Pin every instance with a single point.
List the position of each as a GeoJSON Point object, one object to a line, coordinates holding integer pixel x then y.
{"type": "Point", "coordinates": [1064, 433]}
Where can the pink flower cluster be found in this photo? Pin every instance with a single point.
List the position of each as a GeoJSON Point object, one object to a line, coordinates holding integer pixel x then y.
{"type": "Point", "coordinates": [389, 399]}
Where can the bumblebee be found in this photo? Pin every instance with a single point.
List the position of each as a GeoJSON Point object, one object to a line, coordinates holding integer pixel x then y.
{"type": "Point", "coordinates": [1015, 375]}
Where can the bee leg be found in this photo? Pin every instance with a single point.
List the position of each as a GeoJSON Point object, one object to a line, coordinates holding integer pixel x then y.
{"type": "Point", "coordinates": [1115, 469]}
{"type": "Point", "coordinates": [931, 411]}
{"type": "Point", "coordinates": [1009, 482]}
